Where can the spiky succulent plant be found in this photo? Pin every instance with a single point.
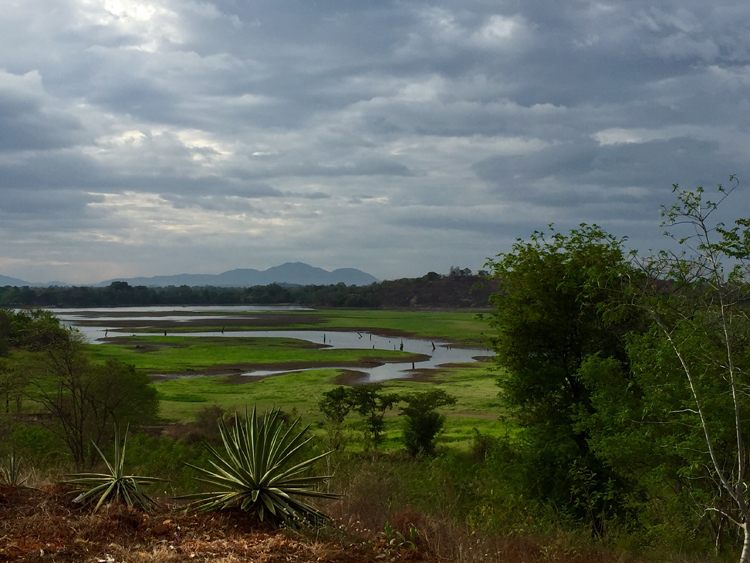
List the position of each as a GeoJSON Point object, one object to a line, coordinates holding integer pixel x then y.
{"type": "Point", "coordinates": [11, 471]}
{"type": "Point", "coordinates": [115, 484]}
{"type": "Point", "coordinates": [257, 471]}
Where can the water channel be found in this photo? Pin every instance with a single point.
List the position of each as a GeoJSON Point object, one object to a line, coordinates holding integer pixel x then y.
{"type": "Point", "coordinates": [95, 324]}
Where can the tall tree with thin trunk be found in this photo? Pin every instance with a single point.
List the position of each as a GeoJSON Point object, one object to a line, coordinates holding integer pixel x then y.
{"type": "Point", "coordinates": [699, 299]}
{"type": "Point", "coordinates": [84, 402]}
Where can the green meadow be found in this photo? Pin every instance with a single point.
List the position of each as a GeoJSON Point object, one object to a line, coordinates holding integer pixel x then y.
{"type": "Point", "coordinates": [458, 327]}
{"type": "Point", "coordinates": [171, 354]}
{"type": "Point", "coordinates": [477, 405]}
{"type": "Point", "coordinates": [181, 399]}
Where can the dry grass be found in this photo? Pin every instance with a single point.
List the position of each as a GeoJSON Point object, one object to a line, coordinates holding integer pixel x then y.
{"type": "Point", "coordinates": [442, 539]}
{"type": "Point", "coordinates": [44, 525]}
{"type": "Point", "coordinates": [371, 499]}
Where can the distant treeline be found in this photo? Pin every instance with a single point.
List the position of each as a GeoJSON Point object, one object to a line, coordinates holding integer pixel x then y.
{"type": "Point", "coordinates": [458, 289]}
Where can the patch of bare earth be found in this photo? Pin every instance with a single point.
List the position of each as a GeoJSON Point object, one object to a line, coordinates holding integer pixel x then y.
{"type": "Point", "coordinates": [230, 322]}
{"type": "Point", "coordinates": [44, 525]}
{"type": "Point", "coordinates": [236, 370]}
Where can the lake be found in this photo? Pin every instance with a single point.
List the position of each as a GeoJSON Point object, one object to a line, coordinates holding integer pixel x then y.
{"type": "Point", "coordinates": [98, 323]}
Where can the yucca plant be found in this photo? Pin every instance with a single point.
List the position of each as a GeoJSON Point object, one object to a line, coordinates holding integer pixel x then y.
{"type": "Point", "coordinates": [10, 471]}
{"type": "Point", "coordinates": [114, 485]}
{"type": "Point", "coordinates": [257, 472]}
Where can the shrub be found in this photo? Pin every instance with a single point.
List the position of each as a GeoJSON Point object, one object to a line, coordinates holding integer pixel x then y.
{"type": "Point", "coordinates": [115, 484]}
{"type": "Point", "coordinates": [256, 471]}
{"type": "Point", "coordinates": [422, 422]}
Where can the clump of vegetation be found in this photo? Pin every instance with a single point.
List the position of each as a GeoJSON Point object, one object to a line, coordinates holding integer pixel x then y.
{"type": "Point", "coordinates": [115, 485]}
{"type": "Point", "coordinates": [11, 471]}
{"type": "Point", "coordinates": [257, 471]}
{"type": "Point", "coordinates": [422, 422]}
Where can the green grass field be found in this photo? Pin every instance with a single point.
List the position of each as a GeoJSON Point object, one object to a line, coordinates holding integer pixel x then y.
{"type": "Point", "coordinates": [171, 354]}
{"type": "Point", "coordinates": [473, 385]}
{"type": "Point", "coordinates": [181, 399]}
{"type": "Point", "coordinates": [459, 327]}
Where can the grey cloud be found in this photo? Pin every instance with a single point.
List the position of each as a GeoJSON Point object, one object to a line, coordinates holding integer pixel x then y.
{"type": "Point", "coordinates": [57, 169]}
{"type": "Point", "coordinates": [447, 223]}
{"type": "Point", "coordinates": [431, 130]}
{"type": "Point", "coordinates": [365, 168]}
{"type": "Point", "coordinates": [371, 168]}
{"type": "Point", "coordinates": [569, 168]}
{"type": "Point", "coordinates": [209, 202]}
{"type": "Point", "coordinates": [309, 195]}
{"type": "Point", "coordinates": [17, 204]}
{"type": "Point", "coordinates": [28, 120]}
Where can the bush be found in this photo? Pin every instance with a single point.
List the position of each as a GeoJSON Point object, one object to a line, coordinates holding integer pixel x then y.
{"type": "Point", "coordinates": [257, 472]}
{"type": "Point", "coordinates": [422, 422]}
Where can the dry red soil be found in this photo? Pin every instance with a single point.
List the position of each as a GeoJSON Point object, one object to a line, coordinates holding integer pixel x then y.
{"type": "Point", "coordinates": [45, 525]}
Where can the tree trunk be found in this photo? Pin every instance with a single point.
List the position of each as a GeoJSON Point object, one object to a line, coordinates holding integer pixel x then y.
{"type": "Point", "coordinates": [745, 544]}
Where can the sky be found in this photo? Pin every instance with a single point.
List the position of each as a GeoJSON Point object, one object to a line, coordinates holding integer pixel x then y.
{"type": "Point", "coordinates": [145, 137]}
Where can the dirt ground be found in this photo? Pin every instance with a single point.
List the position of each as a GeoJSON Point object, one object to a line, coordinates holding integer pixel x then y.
{"type": "Point", "coordinates": [151, 320]}
{"type": "Point", "coordinates": [237, 370]}
{"type": "Point", "coordinates": [46, 526]}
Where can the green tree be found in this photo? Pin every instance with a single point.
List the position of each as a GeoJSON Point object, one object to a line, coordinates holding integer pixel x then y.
{"type": "Point", "coordinates": [369, 401]}
{"type": "Point", "coordinates": [5, 330]}
{"type": "Point", "coordinates": [35, 330]}
{"type": "Point", "coordinates": [13, 381]}
{"type": "Point", "coordinates": [83, 401]}
{"type": "Point", "coordinates": [335, 406]}
{"type": "Point", "coordinates": [558, 305]}
{"type": "Point", "coordinates": [694, 363]}
{"type": "Point", "coordinates": [422, 422]}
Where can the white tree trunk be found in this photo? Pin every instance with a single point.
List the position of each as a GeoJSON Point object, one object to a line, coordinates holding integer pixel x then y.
{"type": "Point", "coordinates": [745, 545]}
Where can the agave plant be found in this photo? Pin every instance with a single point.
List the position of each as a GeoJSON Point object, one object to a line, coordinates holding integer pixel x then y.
{"type": "Point", "coordinates": [256, 472]}
{"type": "Point", "coordinates": [10, 471]}
{"type": "Point", "coordinates": [115, 484]}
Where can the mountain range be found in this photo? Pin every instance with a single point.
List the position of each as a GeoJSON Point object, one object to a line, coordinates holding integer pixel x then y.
{"type": "Point", "coordinates": [5, 280]}
{"type": "Point", "coordinates": [291, 273]}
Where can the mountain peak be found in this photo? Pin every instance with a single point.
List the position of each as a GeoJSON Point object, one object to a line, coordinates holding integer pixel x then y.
{"type": "Point", "coordinates": [296, 273]}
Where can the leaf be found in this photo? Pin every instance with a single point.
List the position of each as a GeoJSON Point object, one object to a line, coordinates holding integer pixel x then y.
{"type": "Point", "coordinates": [256, 471]}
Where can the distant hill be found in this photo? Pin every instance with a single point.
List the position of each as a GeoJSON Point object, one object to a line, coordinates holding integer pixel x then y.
{"type": "Point", "coordinates": [5, 280]}
{"type": "Point", "coordinates": [15, 282]}
{"type": "Point", "coordinates": [291, 273]}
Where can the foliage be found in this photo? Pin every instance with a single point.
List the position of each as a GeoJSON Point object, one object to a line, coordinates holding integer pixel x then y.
{"type": "Point", "coordinates": [85, 401]}
{"type": "Point", "coordinates": [5, 331]}
{"type": "Point", "coordinates": [35, 329]}
{"type": "Point", "coordinates": [370, 401]}
{"type": "Point", "coordinates": [396, 539]}
{"type": "Point", "coordinates": [694, 364]}
{"type": "Point", "coordinates": [11, 471]}
{"type": "Point", "coordinates": [39, 447]}
{"type": "Point", "coordinates": [335, 405]}
{"type": "Point", "coordinates": [115, 485]}
{"type": "Point", "coordinates": [557, 306]}
{"type": "Point", "coordinates": [13, 382]}
{"type": "Point", "coordinates": [455, 290]}
{"type": "Point", "coordinates": [256, 471]}
{"type": "Point", "coordinates": [422, 422]}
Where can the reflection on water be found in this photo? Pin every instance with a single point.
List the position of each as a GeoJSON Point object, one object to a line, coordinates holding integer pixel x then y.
{"type": "Point", "coordinates": [438, 353]}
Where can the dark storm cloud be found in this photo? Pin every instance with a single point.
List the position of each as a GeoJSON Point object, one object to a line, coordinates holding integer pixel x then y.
{"type": "Point", "coordinates": [478, 226]}
{"type": "Point", "coordinates": [28, 118]}
{"type": "Point", "coordinates": [441, 130]}
{"type": "Point", "coordinates": [563, 175]}
{"type": "Point", "coordinates": [23, 204]}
